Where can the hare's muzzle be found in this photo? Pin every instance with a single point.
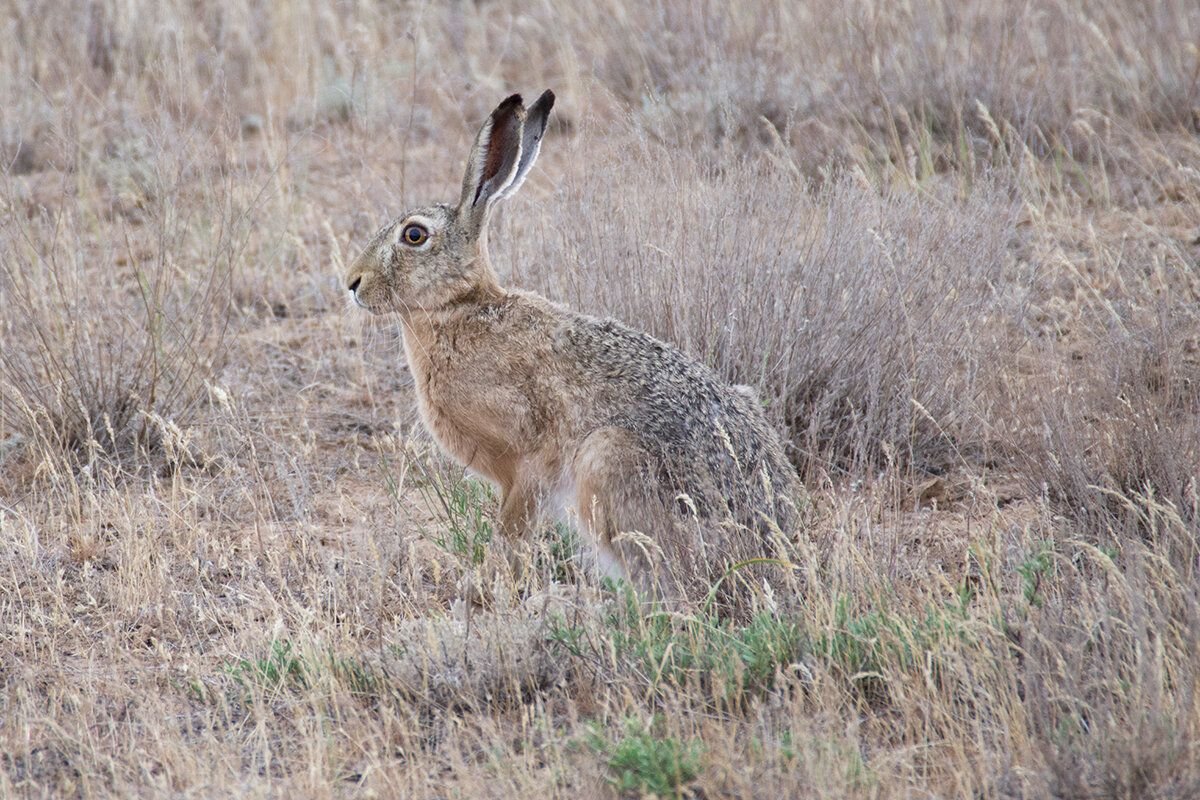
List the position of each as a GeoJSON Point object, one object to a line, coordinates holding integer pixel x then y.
{"type": "Point", "coordinates": [355, 282]}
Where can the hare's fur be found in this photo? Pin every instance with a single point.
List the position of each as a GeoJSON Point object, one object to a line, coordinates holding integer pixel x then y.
{"type": "Point", "coordinates": [668, 470]}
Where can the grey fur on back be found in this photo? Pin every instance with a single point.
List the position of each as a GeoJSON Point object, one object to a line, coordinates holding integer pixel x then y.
{"type": "Point", "coordinates": [714, 442]}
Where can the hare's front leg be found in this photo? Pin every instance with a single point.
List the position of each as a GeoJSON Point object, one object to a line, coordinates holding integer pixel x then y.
{"type": "Point", "coordinates": [518, 508]}
{"type": "Point", "coordinates": [518, 513]}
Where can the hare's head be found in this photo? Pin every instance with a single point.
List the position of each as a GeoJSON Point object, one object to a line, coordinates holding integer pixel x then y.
{"type": "Point", "coordinates": [435, 256]}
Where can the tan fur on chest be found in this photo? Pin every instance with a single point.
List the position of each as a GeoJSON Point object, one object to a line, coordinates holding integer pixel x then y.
{"type": "Point", "coordinates": [484, 425]}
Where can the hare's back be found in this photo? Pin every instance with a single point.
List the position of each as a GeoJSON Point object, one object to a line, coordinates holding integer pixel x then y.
{"type": "Point", "coordinates": [708, 436]}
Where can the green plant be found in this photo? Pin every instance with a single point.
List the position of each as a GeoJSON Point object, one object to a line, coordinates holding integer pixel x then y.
{"type": "Point", "coordinates": [357, 676]}
{"type": "Point", "coordinates": [641, 762]}
{"type": "Point", "coordinates": [560, 553]}
{"type": "Point", "coordinates": [282, 667]}
{"type": "Point", "coordinates": [865, 646]}
{"type": "Point", "coordinates": [286, 667]}
{"type": "Point", "coordinates": [1037, 566]}
{"type": "Point", "coordinates": [565, 637]}
{"type": "Point", "coordinates": [467, 508]}
{"type": "Point", "coordinates": [727, 659]}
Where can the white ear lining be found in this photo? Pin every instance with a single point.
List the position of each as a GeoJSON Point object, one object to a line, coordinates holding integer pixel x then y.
{"type": "Point", "coordinates": [533, 130]}
{"type": "Point", "coordinates": [478, 160]}
{"type": "Point", "coordinates": [520, 174]}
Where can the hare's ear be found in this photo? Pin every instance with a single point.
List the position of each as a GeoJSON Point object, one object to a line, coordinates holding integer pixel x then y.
{"type": "Point", "coordinates": [493, 161]}
{"type": "Point", "coordinates": [531, 139]}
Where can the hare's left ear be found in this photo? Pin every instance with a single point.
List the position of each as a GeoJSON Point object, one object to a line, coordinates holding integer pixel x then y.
{"type": "Point", "coordinates": [531, 140]}
{"type": "Point", "coordinates": [493, 162]}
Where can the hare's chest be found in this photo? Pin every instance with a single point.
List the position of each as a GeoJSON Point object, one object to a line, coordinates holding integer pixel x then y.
{"type": "Point", "coordinates": [473, 413]}
{"type": "Point", "coordinates": [440, 401]}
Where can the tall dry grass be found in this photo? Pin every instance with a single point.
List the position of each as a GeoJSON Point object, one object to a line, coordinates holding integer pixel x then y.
{"type": "Point", "coordinates": [951, 244]}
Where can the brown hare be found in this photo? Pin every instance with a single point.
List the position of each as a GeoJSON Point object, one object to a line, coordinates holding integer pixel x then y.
{"type": "Point", "coordinates": [666, 470]}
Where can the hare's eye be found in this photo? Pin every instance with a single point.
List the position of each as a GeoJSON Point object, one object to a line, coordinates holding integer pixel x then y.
{"type": "Point", "coordinates": [415, 235]}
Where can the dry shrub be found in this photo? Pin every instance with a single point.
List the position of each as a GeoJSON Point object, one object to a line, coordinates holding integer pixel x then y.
{"type": "Point", "coordinates": [109, 339]}
{"type": "Point", "coordinates": [858, 315]}
{"type": "Point", "coordinates": [474, 658]}
{"type": "Point", "coordinates": [1119, 432]}
{"type": "Point", "coordinates": [1112, 680]}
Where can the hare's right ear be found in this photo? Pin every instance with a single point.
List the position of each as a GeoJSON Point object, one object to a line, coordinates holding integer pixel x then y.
{"type": "Point", "coordinates": [493, 162]}
{"type": "Point", "coordinates": [531, 139]}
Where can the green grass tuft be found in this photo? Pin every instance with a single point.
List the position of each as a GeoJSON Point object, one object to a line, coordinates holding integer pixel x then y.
{"type": "Point", "coordinates": [642, 763]}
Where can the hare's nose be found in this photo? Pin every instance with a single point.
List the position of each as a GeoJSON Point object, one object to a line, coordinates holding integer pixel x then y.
{"type": "Point", "coordinates": [354, 283]}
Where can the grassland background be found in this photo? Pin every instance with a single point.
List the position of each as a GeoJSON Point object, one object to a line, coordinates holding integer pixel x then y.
{"type": "Point", "coordinates": [953, 244]}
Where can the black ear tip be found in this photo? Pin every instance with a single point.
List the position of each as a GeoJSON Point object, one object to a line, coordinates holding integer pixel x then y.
{"type": "Point", "coordinates": [508, 104]}
{"type": "Point", "coordinates": [546, 100]}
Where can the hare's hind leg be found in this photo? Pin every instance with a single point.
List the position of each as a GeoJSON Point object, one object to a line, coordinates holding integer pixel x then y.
{"type": "Point", "coordinates": [616, 505]}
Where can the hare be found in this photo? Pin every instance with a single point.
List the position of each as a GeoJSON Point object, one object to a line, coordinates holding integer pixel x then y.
{"type": "Point", "coordinates": [667, 470]}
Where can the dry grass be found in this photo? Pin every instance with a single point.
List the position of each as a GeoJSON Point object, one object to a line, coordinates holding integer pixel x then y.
{"type": "Point", "coordinates": [953, 245]}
